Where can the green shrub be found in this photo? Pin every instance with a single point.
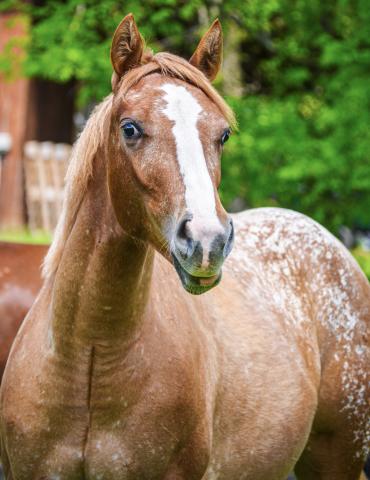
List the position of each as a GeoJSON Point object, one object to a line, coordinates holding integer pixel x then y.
{"type": "Point", "coordinates": [303, 153]}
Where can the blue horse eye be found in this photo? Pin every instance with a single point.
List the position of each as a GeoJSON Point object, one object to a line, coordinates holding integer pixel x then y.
{"type": "Point", "coordinates": [130, 130]}
{"type": "Point", "coordinates": [225, 136]}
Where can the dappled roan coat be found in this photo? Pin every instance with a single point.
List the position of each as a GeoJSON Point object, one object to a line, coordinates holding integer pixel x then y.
{"type": "Point", "coordinates": [118, 373]}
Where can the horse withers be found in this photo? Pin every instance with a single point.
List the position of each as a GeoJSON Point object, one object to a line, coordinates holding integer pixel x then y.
{"type": "Point", "coordinates": [118, 372]}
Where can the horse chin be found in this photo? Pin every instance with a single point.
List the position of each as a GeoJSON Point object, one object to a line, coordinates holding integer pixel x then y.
{"type": "Point", "coordinates": [194, 284]}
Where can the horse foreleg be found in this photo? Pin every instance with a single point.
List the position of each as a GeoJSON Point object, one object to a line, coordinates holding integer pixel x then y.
{"type": "Point", "coordinates": [5, 471]}
{"type": "Point", "coordinates": [326, 457]}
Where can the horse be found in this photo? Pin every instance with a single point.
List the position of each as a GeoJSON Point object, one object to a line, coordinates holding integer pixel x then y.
{"type": "Point", "coordinates": [146, 354]}
{"type": "Point", "coordinates": [20, 281]}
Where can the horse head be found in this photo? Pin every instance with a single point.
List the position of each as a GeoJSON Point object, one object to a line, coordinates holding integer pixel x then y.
{"type": "Point", "coordinates": [167, 130]}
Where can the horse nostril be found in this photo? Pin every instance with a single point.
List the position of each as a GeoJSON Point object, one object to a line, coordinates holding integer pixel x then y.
{"type": "Point", "coordinates": [184, 239]}
{"type": "Point", "coordinates": [182, 230]}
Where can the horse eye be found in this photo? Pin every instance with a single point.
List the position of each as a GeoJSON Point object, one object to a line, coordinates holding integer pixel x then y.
{"type": "Point", "coordinates": [130, 130]}
{"type": "Point", "coordinates": [225, 136]}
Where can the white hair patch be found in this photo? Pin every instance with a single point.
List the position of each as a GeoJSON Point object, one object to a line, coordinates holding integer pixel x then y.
{"type": "Point", "coordinates": [184, 110]}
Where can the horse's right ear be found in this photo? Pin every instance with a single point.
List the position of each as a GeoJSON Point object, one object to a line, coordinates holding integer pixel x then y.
{"type": "Point", "coordinates": [127, 48]}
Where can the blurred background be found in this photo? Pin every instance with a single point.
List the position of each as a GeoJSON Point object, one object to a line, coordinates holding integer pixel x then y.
{"type": "Point", "coordinates": [297, 73]}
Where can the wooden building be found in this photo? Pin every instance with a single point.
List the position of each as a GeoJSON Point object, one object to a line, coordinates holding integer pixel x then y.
{"type": "Point", "coordinates": [30, 109]}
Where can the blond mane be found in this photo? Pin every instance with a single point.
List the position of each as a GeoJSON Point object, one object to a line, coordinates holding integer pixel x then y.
{"type": "Point", "coordinates": [94, 134]}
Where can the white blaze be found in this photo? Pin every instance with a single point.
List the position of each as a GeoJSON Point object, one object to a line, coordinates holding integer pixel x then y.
{"type": "Point", "coordinates": [184, 110]}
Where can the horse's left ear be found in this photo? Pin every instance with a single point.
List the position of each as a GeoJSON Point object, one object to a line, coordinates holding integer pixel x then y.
{"type": "Point", "coordinates": [127, 48]}
{"type": "Point", "coordinates": [208, 54]}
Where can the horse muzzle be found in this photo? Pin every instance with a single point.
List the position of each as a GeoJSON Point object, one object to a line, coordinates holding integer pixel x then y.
{"type": "Point", "coordinates": [198, 252]}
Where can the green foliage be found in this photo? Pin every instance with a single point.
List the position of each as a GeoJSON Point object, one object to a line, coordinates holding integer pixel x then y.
{"type": "Point", "coordinates": [363, 259]}
{"type": "Point", "coordinates": [304, 141]}
{"type": "Point", "coordinates": [71, 40]}
{"type": "Point", "coordinates": [302, 152]}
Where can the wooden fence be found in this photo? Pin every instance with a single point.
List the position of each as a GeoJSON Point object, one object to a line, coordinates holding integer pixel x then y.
{"type": "Point", "coordinates": [45, 166]}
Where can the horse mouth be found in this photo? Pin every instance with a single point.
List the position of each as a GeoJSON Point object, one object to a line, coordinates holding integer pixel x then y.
{"type": "Point", "coordinates": [194, 284]}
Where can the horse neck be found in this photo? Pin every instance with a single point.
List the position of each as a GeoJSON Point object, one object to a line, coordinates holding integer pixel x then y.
{"type": "Point", "coordinates": [101, 287]}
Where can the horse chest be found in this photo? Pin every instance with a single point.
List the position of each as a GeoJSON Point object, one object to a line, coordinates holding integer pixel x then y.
{"type": "Point", "coordinates": [147, 440]}
{"type": "Point", "coordinates": [112, 457]}
{"type": "Point", "coordinates": [144, 443]}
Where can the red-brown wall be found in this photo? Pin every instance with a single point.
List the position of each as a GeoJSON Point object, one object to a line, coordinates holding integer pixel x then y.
{"type": "Point", "coordinates": [13, 114]}
{"type": "Point", "coordinates": [35, 109]}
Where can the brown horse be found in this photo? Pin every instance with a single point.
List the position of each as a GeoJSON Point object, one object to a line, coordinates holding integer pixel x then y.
{"type": "Point", "coordinates": [20, 281]}
{"type": "Point", "coordinates": [118, 373]}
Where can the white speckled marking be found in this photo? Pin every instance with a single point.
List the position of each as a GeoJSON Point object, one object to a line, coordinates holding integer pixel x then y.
{"type": "Point", "coordinates": [298, 244]}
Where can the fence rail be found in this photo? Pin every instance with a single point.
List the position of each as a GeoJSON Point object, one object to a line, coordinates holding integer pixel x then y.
{"type": "Point", "coordinates": [45, 166]}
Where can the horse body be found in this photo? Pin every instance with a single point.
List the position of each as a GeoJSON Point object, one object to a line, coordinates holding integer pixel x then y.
{"type": "Point", "coordinates": [208, 385]}
{"type": "Point", "coordinates": [118, 373]}
{"type": "Point", "coordinates": [20, 280]}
